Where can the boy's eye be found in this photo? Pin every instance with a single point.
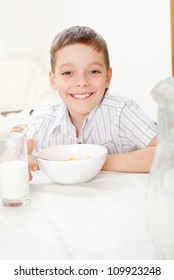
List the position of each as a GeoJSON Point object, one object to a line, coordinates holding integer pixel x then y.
{"type": "Point", "coordinates": [95, 71]}
{"type": "Point", "coordinates": [67, 73]}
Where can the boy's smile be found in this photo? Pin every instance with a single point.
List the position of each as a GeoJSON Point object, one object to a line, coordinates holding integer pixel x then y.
{"type": "Point", "coordinates": [81, 78]}
{"type": "Point", "coordinates": [81, 96]}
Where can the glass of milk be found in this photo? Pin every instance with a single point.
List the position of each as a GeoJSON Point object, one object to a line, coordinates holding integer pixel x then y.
{"type": "Point", "coordinates": [14, 178]}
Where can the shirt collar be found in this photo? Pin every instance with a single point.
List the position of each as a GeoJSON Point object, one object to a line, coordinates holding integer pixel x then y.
{"type": "Point", "coordinates": [60, 119]}
{"type": "Point", "coordinates": [63, 121]}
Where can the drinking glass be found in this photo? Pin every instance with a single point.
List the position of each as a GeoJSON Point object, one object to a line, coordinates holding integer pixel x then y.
{"type": "Point", "coordinates": [14, 179]}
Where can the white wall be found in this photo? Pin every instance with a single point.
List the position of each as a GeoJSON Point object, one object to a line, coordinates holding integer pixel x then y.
{"type": "Point", "coordinates": [137, 33]}
{"type": "Point", "coordinates": [16, 28]}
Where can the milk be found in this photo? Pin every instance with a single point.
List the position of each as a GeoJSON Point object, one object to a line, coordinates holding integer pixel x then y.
{"type": "Point", "coordinates": [14, 183]}
{"type": "Point", "coordinates": [160, 213]}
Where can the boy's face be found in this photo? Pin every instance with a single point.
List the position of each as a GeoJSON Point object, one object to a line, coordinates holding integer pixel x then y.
{"type": "Point", "coordinates": [80, 77]}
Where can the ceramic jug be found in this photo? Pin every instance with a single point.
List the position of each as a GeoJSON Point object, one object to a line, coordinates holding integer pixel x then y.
{"type": "Point", "coordinates": [160, 194]}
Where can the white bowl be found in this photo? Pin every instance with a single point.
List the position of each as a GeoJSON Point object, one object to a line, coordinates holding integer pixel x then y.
{"type": "Point", "coordinates": [71, 164]}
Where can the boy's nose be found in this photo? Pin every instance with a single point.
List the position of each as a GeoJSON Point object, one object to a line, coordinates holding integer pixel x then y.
{"type": "Point", "coordinates": [82, 81]}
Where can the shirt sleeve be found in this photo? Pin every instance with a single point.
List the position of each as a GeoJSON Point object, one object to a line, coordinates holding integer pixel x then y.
{"type": "Point", "coordinates": [136, 128]}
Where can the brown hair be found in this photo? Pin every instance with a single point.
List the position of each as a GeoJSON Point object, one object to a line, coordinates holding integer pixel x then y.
{"type": "Point", "coordinates": [78, 34]}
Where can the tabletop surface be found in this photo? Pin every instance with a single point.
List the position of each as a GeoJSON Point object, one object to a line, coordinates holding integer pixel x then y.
{"type": "Point", "coordinates": [103, 219]}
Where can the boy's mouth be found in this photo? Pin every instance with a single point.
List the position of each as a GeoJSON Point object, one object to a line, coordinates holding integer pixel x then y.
{"type": "Point", "coordinates": [81, 96]}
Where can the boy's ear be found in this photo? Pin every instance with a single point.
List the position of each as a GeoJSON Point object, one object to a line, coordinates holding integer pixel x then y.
{"type": "Point", "coordinates": [52, 80]}
{"type": "Point", "coordinates": [108, 78]}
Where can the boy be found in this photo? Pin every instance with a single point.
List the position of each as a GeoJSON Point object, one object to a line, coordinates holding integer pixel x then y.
{"type": "Point", "coordinates": [87, 113]}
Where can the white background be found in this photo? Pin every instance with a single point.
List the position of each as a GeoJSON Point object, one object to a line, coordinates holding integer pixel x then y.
{"type": "Point", "coordinates": [137, 33]}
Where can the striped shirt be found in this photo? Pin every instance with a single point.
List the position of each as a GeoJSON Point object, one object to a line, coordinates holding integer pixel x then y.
{"type": "Point", "coordinates": [116, 123]}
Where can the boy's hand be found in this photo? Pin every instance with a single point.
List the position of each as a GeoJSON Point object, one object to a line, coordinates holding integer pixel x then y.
{"type": "Point", "coordinates": [32, 166]}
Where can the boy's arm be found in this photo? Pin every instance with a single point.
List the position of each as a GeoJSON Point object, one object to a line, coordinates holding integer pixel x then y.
{"type": "Point", "coordinates": [133, 162]}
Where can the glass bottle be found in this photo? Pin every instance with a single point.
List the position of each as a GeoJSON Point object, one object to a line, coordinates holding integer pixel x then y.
{"type": "Point", "coordinates": [160, 194]}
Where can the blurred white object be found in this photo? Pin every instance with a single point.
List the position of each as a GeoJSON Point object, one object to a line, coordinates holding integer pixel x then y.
{"type": "Point", "coordinates": [160, 196]}
{"type": "Point", "coordinates": [3, 52]}
{"type": "Point", "coordinates": [70, 164]}
{"type": "Point", "coordinates": [24, 84]}
{"type": "Point", "coordinates": [9, 121]}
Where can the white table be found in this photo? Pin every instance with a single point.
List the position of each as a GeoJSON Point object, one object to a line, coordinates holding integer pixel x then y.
{"type": "Point", "coordinates": [103, 219]}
